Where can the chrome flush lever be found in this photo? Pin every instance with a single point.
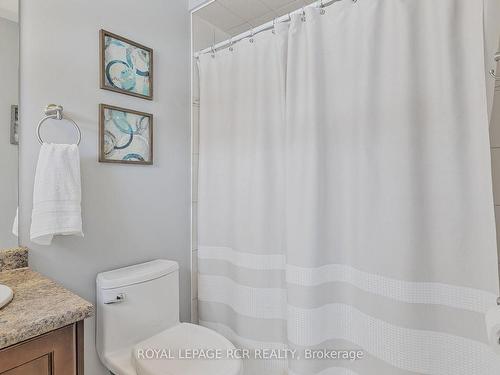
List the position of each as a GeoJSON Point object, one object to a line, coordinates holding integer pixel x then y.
{"type": "Point", "coordinates": [120, 297]}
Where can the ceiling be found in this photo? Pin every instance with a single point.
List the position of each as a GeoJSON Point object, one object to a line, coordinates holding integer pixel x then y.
{"type": "Point", "coordinates": [232, 17]}
{"type": "Point", "coordinates": [9, 9]}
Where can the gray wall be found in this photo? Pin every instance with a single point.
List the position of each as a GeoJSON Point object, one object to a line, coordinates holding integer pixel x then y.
{"type": "Point", "coordinates": [131, 214]}
{"type": "Point", "coordinates": [9, 60]}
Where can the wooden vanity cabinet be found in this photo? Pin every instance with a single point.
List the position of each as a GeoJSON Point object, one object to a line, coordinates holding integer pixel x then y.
{"type": "Point", "coordinates": [59, 352]}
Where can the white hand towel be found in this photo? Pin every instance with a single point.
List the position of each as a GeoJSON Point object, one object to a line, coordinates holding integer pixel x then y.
{"type": "Point", "coordinates": [56, 194]}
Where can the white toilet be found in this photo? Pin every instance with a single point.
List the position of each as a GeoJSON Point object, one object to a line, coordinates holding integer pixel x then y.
{"type": "Point", "coordinates": [138, 313]}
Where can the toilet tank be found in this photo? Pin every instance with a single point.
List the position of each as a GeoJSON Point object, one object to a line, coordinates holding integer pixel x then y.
{"type": "Point", "coordinates": [134, 303]}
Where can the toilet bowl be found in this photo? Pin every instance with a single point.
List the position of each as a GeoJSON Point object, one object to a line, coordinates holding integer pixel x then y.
{"type": "Point", "coordinates": [138, 331]}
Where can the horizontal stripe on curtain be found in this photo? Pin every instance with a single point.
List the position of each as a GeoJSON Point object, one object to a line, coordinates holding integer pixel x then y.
{"type": "Point", "coordinates": [345, 191]}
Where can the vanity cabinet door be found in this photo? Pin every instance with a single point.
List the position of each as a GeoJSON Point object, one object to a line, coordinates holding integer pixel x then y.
{"type": "Point", "coordinates": [59, 352]}
{"type": "Point", "coordinates": [40, 366]}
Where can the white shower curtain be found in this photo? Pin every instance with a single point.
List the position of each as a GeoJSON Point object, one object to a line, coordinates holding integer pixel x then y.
{"type": "Point", "coordinates": [241, 282]}
{"type": "Point", "coordinates": [364, 218]}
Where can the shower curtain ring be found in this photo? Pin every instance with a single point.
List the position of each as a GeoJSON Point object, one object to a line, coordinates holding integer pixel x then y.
{"type": "Point", "coordinates": [251, 40]}
{"type": "Point", "coordinates": [231, 45]}
{"type": "Point", "coordinates": [274, 25]}
{"type": "Point", "coordinates": [212, 51]}
{"type": "Point", "coordinates": [303, 15]}
{"type": "Point", "coordinates": [321, 7]}
{"type": "Point", "coordinates": [492, 71]}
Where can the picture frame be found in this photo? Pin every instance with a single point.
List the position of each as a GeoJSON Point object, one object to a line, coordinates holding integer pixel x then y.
{"type": "Point", "coordinates": [125, 66]}
{"type": "Point", "coordinates": [125, 136]}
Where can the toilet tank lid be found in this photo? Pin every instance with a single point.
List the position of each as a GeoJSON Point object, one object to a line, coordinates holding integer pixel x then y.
{"type": "Point", "coordinates": [136, 274]}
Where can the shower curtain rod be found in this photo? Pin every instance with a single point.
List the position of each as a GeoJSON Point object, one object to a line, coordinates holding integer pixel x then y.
{"type": "Point", "coordinates": [265, 27]}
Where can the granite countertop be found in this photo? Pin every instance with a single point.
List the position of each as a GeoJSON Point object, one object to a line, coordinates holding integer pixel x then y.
{"type": "Point", "coordinates": [13, 258]}
{"type": "Point", "coordinates": [39, 305]}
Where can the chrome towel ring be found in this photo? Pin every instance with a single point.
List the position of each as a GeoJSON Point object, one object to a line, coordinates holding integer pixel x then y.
{"type": "Point", "coordinates": [55, 112]}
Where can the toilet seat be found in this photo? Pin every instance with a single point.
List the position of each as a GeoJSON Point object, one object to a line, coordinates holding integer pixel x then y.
{"type": "Point", "coordinates": [181, 337]}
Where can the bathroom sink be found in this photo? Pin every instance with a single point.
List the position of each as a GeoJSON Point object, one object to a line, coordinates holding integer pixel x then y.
{"type": "Point", "coordinates": [6, 295]}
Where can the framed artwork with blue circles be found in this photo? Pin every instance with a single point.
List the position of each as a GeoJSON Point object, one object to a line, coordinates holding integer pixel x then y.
{"type": "Point", "coordinates": [125, 136]}
{"type": "Point", "coordinates": [125, 66]}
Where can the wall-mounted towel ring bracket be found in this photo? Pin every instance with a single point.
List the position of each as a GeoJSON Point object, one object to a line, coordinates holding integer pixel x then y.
{"type": "Point", "coordinates": [55, 112]}
{"type": "Point", "coordinates": [492, 71]}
